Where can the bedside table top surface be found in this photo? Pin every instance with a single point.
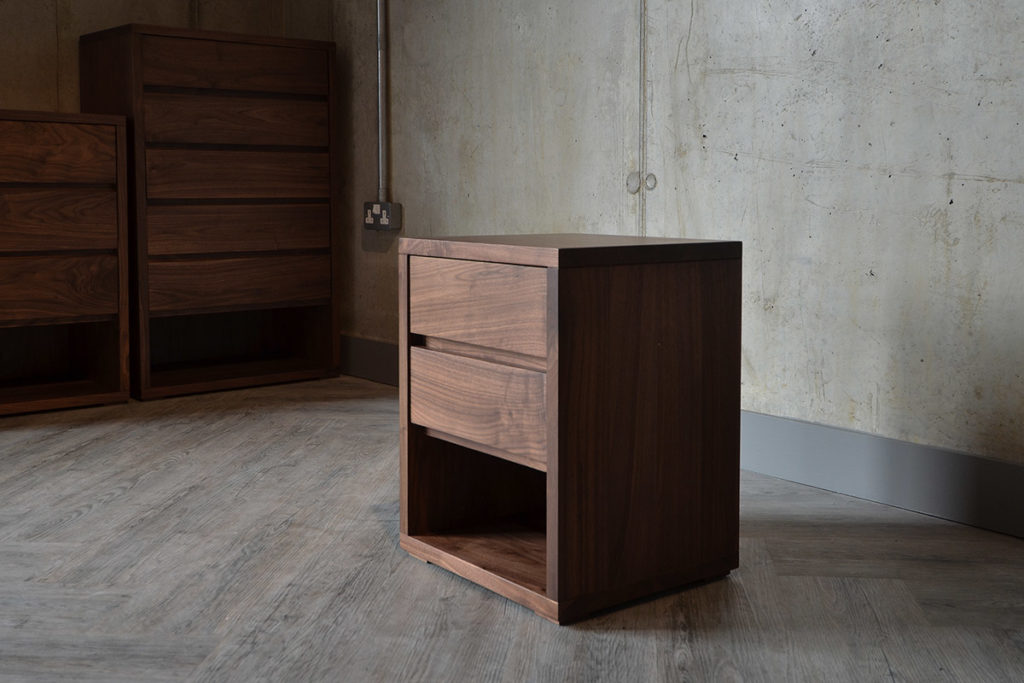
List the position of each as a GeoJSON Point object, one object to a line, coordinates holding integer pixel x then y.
{"type": "Point", "coordinates": [570, 249]}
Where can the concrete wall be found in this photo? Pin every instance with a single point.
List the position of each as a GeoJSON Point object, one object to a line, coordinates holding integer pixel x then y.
{"type": "Point", "coordinates": [869, 155]}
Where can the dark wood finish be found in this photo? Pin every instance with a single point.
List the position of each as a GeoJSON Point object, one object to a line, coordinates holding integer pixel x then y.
{"type": "Point", "coordinates": [222, 120]}
{"type": "Point", "coordinates": [38, 218]}
{"type": "Point", "coordinates": [58, 286]}
{"type": "Point", "coordinates": [216, 174]}
{"type": "Point", "coordinates": [40, 152]}
{"type": "Point", "coordinates": [636, 413]}
{"type": "Point", "coordinates": [232, 177]}
{"type": "Point", "coordinates": [63, 261]}
{"type": "Point", "coordinates": [486, 304]}
{"type": "Point", "coordinates": [486, 403]}
{"type": "Point", "coordinates": [230, 65]}
{"type": "Point", "coordinates": [228, 349]}
{"type": "Point", "coordinates": [671, 428]}
{"type": "Point", "coordinates": [237, 227]}
{"type": "Point", "coordinates": [238, 282]}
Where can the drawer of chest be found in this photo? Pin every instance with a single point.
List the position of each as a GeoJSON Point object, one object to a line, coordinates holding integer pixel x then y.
{"type": "Point", "coordinates": [235, 120]}
{"type": "Point", "coordinates": [238, 283]}
{"type": "Point", "coordinates": [200, 63]}
{"type": "Point", "coordinates": [59, 286]}
{"type": "Point", "coordinates": [236, 174]}
{"type": "Point", "coordinates": [494, 305]}
{"type": "Point", "coordinates": [497, 408]}
{"type": "Point", "coordinates": [197, 229]}
{"type": "Point", "coordinates": [39, 152]}
{"type": "Point", "coordinates": [65, 218]}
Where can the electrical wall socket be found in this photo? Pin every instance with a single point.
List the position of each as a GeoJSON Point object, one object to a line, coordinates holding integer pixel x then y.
{"type": "Point", "coordinates": [382, 216]}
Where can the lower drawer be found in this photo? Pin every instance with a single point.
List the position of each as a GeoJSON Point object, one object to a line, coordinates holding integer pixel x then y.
{"type": "Point", "coordinates": [238, 282]}
{"type": "Point", "coordinates": [60, 286]}
{"type": "Point", "coordinates": [496, 406]}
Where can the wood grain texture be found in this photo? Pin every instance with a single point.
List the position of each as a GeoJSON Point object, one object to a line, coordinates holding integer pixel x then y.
{"type": "Point", "coordinates": [220, 64]}
{"type": "Point", "coordinates": [495, 405]}
{"type": "Point", "coordinates": [41, 219]}
{"type": "Point", "coordinates": [215, 174]}
{"type": "Point", "coordinates": [237, 227]}
{"type": "Point", "coordinates": [41, 152]}
{"type": "Point", "coordinates": [235, 282]}
{"type": "Point", "coordinates": [218, 119]}
{"type": "Point", "coordinates": [253, 535]}
{"type": "Point", "coordinates": [492, 305]}
{"type": "Point", "coordinates": [58, 286]}
{"type": "Point", "coordinates": [476, 408]}
{"type": "Point", "coordinates": [656, 468]}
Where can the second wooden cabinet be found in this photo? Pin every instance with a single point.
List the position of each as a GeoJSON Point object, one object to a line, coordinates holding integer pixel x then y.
{"type": "Point", "coordinates": [234, 262]}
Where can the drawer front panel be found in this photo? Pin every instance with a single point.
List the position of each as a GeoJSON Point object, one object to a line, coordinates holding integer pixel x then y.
{"type": "Point", "coordinates": [486, 403]}
{"type": "Point", "coordinates": [40, 219]}
{"type": "Point", "coordinates": [42, 287]}
{"type": "Point", "coordinates": [488, 304]}
{"type": "Point", "coordinates": [39, 152]}
{"type": "Point", "coordinates": [196, 63]}
{"type": "Point", "coordinates": [227, 228]}
{"type": "Point", "coordinates": [214, 174]}
{"type": "Point", "coordinates": [212, 119]}
{"type": "Point", "coordinates": [250, 281]}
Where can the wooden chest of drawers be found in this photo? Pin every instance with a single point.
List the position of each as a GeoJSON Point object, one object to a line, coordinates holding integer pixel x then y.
{"type": "Point", "coordinates": [570, 414]}
{"type": "Point", "coordinates": [234, 261]}
{"type": "Point", "coordinates": [63, 261]}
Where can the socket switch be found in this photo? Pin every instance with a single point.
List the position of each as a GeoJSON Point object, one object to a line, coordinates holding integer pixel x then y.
{"type": "Point", "coordinates": [382, 216]}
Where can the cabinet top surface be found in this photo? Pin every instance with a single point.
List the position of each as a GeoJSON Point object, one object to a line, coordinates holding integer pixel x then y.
{"type": "Point", "coordinates": [222, 36]}
{"type": "Point", "coordinates": [570, 249]}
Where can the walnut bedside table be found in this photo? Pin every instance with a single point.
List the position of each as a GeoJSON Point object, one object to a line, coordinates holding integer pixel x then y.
{"type": "Point", "coordinates": [570, 418]}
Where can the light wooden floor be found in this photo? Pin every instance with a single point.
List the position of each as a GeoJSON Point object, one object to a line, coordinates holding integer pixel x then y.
{"type": "Point", "coordinates": [253, 535]}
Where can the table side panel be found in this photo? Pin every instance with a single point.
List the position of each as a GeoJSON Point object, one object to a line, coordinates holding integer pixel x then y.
{"type": "Point", "coordinates": [648, 478]}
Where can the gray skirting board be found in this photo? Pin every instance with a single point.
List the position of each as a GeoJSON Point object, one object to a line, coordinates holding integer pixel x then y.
{"type": "Point", "coordinates": [955, 486]}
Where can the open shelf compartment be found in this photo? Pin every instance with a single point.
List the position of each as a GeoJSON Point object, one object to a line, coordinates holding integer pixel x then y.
{"type": "Point", "coordinates": [59, 365]}
{"type": "Point", "coordinates": [211, 351]}
{"type": "Point", "coordinates": [480, 516]}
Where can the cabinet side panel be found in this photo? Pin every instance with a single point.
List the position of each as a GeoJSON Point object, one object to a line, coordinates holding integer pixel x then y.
{"type": "Point", "coordinates": [108, 85]}
{"type": "Point", "coordinates": [648, 470]}
{"type": "Point", "coordinates": [104, 71]}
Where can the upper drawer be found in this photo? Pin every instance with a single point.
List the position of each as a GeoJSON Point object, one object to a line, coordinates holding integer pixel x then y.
{"type": "Point", "coordinates": [196, 63]}
{"type": "Point", "coordinates": [46, 152]}
{"type": "Point", "coordinates": [220, 119]}
{"type": "Point", "coordinates": [489, 304]}
{"type": "Point", "coordinates": [66, 286]}
{"type": "Point", "coordinates": [201, 229]}
{"type": "Point", "coordinates": [217, 174]}
{"type": "Point", "coordinates": [43, 218]}
{"type": "Point", "coordinates": [238, 282]}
